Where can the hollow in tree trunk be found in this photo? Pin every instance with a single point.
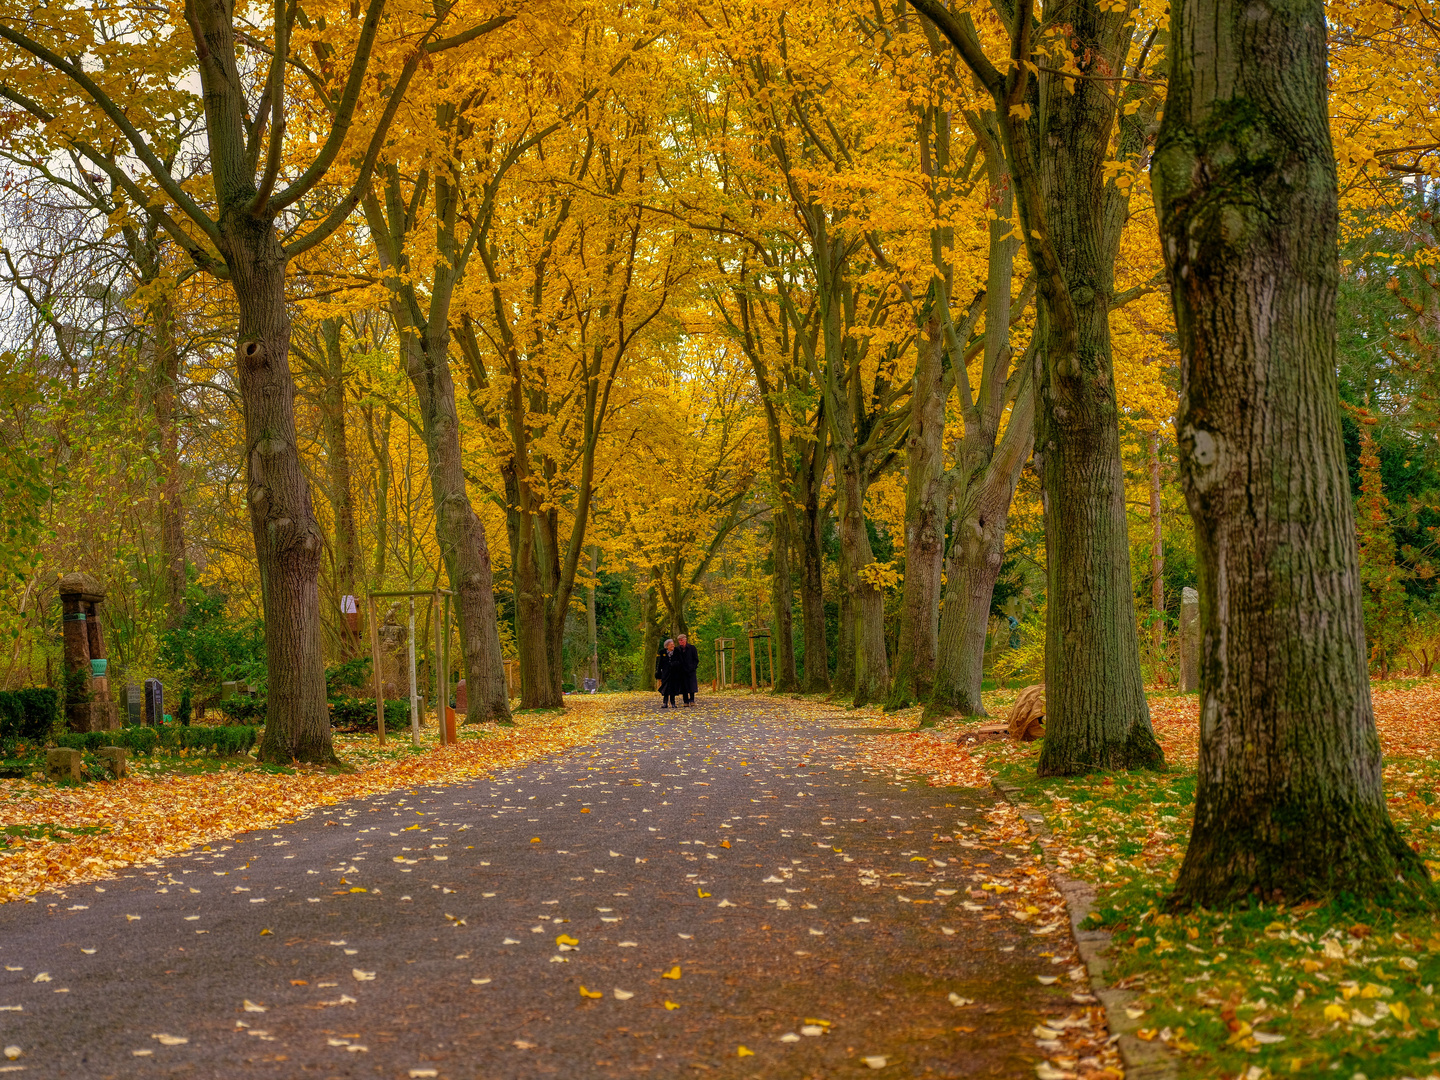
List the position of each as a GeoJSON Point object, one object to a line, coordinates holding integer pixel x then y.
{"type": "Point", "coordinates": [1288, 802]}
{"type": "Point", "coordinates": [287, 539]}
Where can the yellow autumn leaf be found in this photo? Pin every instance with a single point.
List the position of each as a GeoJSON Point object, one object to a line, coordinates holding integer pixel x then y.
{"type": "Point", "coordinates": [590, 993]}
{"type": "Point", "coordinates": [566, 939]}
{"type": "Point", "coordinates": [673, 973]}
{"type": "Point", "coordinates": [701, 893]}
{"type": "Point", "coordinates": [1335, 1012]}
{"type": "Point", "coordinates": [671, 1005]}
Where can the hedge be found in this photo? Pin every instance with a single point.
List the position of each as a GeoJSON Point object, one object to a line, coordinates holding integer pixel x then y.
{"type": "Point", "coordinates": [29, 714]}
{"type": "Point", "coordinates": [145, 740]}
{"type": "Point", "coordinates": [358, 714]}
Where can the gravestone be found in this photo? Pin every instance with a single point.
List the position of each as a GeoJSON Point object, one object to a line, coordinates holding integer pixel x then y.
{"type": "Point", "coordinates": [115, 759]}
{"type": "Point", "coordinates": [462, 699]}
{"type": "Point", "coordinates": [1189, 641]}
{"type": "Point", "coordinates": [63, 764]}
{"type": "Point", "coordinates": [590, 685]}
{"type": "Point", "coordinates": [134, 704]}
{"type": "Point", "coordinates": [154, 703]}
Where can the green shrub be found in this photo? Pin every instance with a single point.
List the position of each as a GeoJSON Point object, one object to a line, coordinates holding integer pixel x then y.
{"type": "Point", "coordinates": [183, 713]}
{"type": "Point", "coordinates": [224, 741]}
{"type": "Point", "coordinates": [358, 714]}
{"type": "Point", "coordinates": [244, 710]}
{"type": "Point", "coordinates": [29, 714]}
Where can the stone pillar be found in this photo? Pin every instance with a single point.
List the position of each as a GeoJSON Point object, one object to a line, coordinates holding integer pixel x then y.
{"type": "Point", "coordinates": [1189, 641]}
{"type": "Point", "coordinates": [80, 598]}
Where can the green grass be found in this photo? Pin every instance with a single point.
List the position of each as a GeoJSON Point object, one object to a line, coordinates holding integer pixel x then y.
{"type": "Point", "coordinates": [1344, 988]}
{"type": "Point", "coordinates": [60, 834]}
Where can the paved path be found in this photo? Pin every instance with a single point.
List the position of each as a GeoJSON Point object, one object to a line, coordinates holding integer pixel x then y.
{"type": "Point", "coordinates": [428, 932]}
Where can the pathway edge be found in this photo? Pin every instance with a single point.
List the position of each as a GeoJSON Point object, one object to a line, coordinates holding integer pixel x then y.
{"type": "Point", "coordinates": [1143, 1060]}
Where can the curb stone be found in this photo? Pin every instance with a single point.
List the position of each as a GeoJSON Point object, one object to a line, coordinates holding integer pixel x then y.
{"type": "Point", "coordinates": [1143, 1060]}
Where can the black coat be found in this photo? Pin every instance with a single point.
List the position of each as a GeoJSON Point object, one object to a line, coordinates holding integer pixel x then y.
{"type": "Point", "coordinates": [669, 672]}
{"type": "Point", "coordinates": [688, 662]}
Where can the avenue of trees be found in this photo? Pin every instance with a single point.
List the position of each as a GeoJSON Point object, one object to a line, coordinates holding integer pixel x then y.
{"type": "Point", "coordinates": [942, 341]}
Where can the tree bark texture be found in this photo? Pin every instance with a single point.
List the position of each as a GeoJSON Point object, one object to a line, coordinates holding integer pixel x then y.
{"type": "Point", "coordinates": [867, 600]}
{"type": "Point", "coordinates": [812, 596]}
{"type": "Point", "coordinates": [1289, 800]}
{"type": "Point", "coordinates": [1157, 548]}
{"type": "Point", "coordinates": [783, 598]}
{"type": "Point", "coordinates": [459, 530]}
{"type": "Point", "coordinates": [1096, 716]}
{"type": "Point", "coordinates": [988, 458]}
{"type": "Point", "coordinates": [287, 539]}
{"type": "Point", "coordinates": [346, 544]}
{"type": "Point", "coordinates": [925, 502]}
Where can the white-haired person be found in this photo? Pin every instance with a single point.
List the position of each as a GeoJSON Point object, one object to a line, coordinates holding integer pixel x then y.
{"type": "Point", "coordinates": [669, 678]}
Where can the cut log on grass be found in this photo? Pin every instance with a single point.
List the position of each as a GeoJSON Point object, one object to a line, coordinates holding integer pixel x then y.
{"type": "Point", "coordinates": [1027, 718]}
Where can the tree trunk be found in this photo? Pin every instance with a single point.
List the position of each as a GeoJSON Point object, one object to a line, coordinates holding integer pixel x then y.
{"type": "Point", "coordinates": [915, 654]}
{"type": "Point", "coordinates": [287, 540]}
{"type": "Point", "coordinates": [460, 532]}
{"type": "Point", "coordinates": [867, 601]}
{"type": "Point", "coordinates": [649, 637]}
{"type": "Point", "coordinates": [812, 597]}
{"type": "Point", "coordinates": [594, 635]}
{"type": "Point", "coordinates": [843, 684]}
{"type": "Point", "coordinates": [1096, 715]}
{"type": "Point", "coordinates": [782, 598]}
{"type": "Point", "coordinates": [977, 551]}
{"type": "Point", "coordinates": [1288, 802]}
{"type": "Point", "coordinates": [172, 507]}
{"type": "Point", "coordinates": [1157, 549]}
{"type": "Point", "coordinates": [337, 465]}
{"type": "Point", "coordinates": [378, 432]}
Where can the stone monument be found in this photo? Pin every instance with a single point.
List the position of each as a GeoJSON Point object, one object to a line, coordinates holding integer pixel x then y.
{"type": "Point", "coordinates": [154, 703]}
{"type": "Point", "coordinates": [80, 599]}
{"type": "Point", "coordinates": [134, 705]}
{"type": "Point", "coordinates": [1189, 641]}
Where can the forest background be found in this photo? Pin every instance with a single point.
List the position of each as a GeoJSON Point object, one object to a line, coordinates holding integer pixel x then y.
{"type": "Point", "coordinates": [699, 274]}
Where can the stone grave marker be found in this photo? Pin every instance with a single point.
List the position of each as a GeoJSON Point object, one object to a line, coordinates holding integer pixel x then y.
{"type": "Point", "coordinates": [154, 703]}
{"type": "Point", "coordinates": [1189, 641]}
{"type": "Point", "coordinates": [134, 704]}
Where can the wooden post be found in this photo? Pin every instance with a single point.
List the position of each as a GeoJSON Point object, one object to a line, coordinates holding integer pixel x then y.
{"type": "Point", "coordinates": [375, 666]}
{"type": "Point", "coordinates": [754, 684]}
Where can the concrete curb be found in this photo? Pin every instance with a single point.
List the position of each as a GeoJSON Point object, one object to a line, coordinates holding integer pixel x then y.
{"type": "Point", "coordinates": [1143, 1060]}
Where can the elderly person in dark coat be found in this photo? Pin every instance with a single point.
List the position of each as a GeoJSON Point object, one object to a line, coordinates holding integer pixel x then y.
{"type": "Point", "coordinates": [668, 675]}
{"type": "Point", "coordinates": [689, 663]}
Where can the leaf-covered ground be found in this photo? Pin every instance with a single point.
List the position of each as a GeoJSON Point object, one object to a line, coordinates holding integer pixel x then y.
{"type": "Point", "coordinates": [59, 835]}
{"type": "Point", "coordinates": [716, 891]}
{"type": "Point", "coordinates": [1328, 990]}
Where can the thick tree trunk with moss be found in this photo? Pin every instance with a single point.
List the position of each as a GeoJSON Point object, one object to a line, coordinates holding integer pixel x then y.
{"type": "Point", "coordinates": [1096, 715]}
{"type": "Point", "coordinates": [287, 539]}
{"type": "Point", "coordinates": [1289, 802]}
{"type": "Point", "coordinates": [915, 654]}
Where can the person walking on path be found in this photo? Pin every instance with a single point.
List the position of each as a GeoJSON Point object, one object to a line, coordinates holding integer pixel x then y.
{"type": "Point", "coordinates": [668, 675]}
{"type": "Point", "coordinates": [689, 662]}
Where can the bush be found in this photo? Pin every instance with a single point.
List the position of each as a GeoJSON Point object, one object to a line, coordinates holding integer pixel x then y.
{"type": "Point", "coordinates": [244, 710]}
{"type": "Point", "coordinates": [183, 713]}
{"type": "Point", "coordinates": [29, 714]}
{"type": "Point", "coordinates": [358, 714]}
{"type": "Point", "coordinates": [223, 741]}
